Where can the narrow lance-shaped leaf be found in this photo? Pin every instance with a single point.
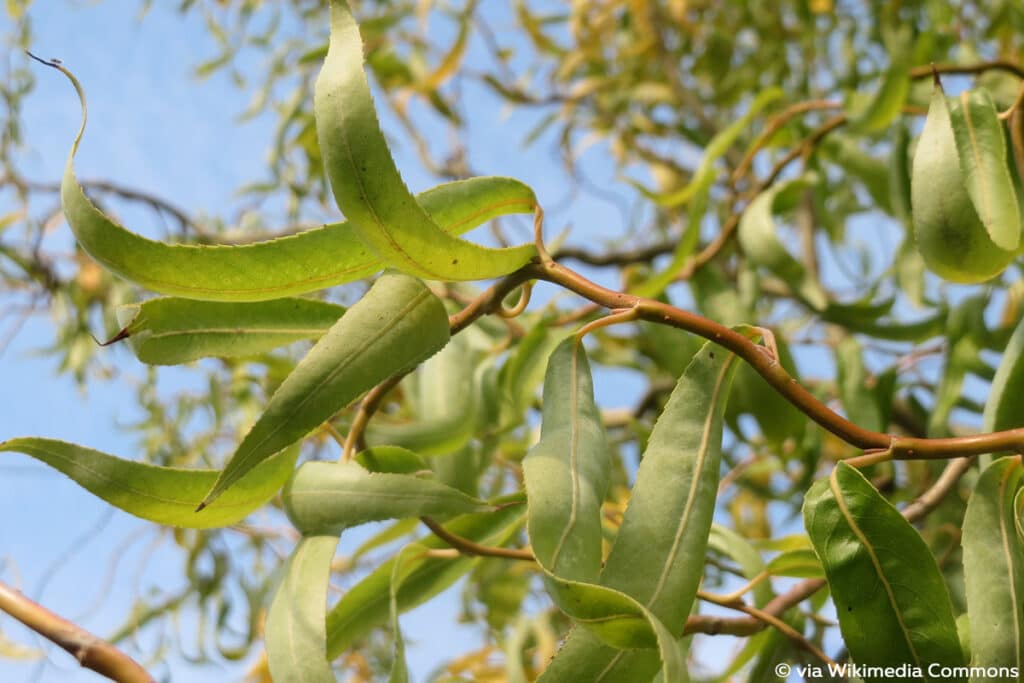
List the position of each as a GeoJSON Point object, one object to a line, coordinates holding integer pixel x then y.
{"type": "Point", "coordinates": [981, 144]}
{"type": "Point", "coordinates": [165, 495]}
{"type": "Point", "coordinates": [887, 101]}
{"type": "Point", "coordinates": [169, 331]}
{"type": "Point", "coordinates": [401, 569]}
{"type": "Point", "coordinates": [757, 236]}
{"type": "Point", "coordinates": [444, 401]}
{"type": "Point", "coordinates": [296, 635]}
{"type": "Point", "coordinates": [366, 605]}
{"type": "Point", "coordinates": [658, 556]}
{"type": "Point", "coordinates": [326, 498]}
{"type": "Point", "coordinates": [994, 569]}
{"type": "Point", "coordinates": [890, 597]}
{"type": "Point", "coordinates": [366, 182]}
{"type": "Point", "coordinates": [567, 472]}
{"type": "Point", "coordinates": [397, 324]}
{"type": "Point", "coordinates": [296, 264]}
{"type": "Point", "coordinates": [951, 238]}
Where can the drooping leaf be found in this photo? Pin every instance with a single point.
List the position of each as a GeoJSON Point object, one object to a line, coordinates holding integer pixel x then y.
{"type": "Point", "coordinates": [994, 568]}
{"type": "Point", "coordinates": [800, 564]}
{"type": "Point", "coordinates": [366, 605]}
{"type": "Point", "coordinates": [444, 402]}
{"type": "Point", "coordinates": [367, 184]}
{"type": "Point", "coordinates": [169, 331]}
{"type": "Point", "coordinates": [397, 324]}
{"type": "Point", "coordinates": [399, 572]}
{"type": "Point", "coordinates": [296, 632]}
{"type": "Point", "coordinates": [885, 104]}
{"type": "Point", "coordinates": [326, 498]}
{"type": "Point", "coordinates": [892, 602]}
{"type": "Point", "coordinates": [950, 236]}
{"type": "Point", "coordinates": [567, 472]}
{"type": "Point", "coordinates": [981, 145]}
{"type": "Point", "coordinates": [757, 236]}
{"type": "Point", "coordinates": [1003, 406]}
{"type": "Point", "coordinates": [165, 495]}
{"type": "Point", "coordinates": [858, 399]}
{"type": "Point", "coordinates": [308, 261]}
{"type": "Point", "coordinates": [658, 555]}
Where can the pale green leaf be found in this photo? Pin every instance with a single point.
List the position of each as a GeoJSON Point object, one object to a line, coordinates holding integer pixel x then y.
{"type": "Point", "coordinates": [165, 495]}
{"type": "Point", "coordinates": [169, 331]}
{"type": "Point", "coordinates": [658, 555]}
{"type": "Point", "coordinates": [304, 262]}
{"type": "Point", "coordinates": [994, 569]}
{"type": "Point", "coordinates": [296, 634]}
{"type": "Point", "coordinates": [367, 184]}
{"type": "Point", "coordinates": [397, 324]}
{"type": "Point", "coordinates": [567, 472]}
{"type": "Point", "coordinates": [757, 234]}
{"type": "Point", "coordinates": [981, 144]}
{"type": "Point", "coordinates": [886, 103]}
{"type": "Point", "coordinates": [950, 236]}
{"type": "Point", "coordinates": [326, 498]}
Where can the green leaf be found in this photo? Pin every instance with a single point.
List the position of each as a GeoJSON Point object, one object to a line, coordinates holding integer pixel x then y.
{"type": "Point", "coordinates": [757, 236]}
{"type": "Point", "coordinates": [400, 571]}
{"type": "Point", "coordinates": [392, 460]}
{"type": "Point", "coordinates": [444, 398]}
{"type": "Point", "coordinates": [885, 105]}
{"type": "Point", "coordinates": [567, 472]}
{"type": "Point", "coordinates": [729, 543]}
{"type": "Point", "coordinates": [658, 555]}
{"type": "Point", "coordinates": [858, 399]}
{"type": "Point", "coordinates": [890, 597]}
{"type": "Point", "coordinates": [366, 605]}
{"type": "Point", "coordinates": [305, 262]}
{"type": "Point", "coordinates": [367, 185]}
{"type": "Point", "coordinates": [169, 331]}
{"type": "Point", "coordinates": [800, 564]}
{"type": "Point", "coordinates": [981, 145]}
{"type": "Point", "coordinates": [1003, 406]}
{"type": "Point", "coordinates": [951, 238]}
{"type": "Point", "coordinates": [994, 568]}
{"type": "Point", "coordinates": [326, 498]}
{"type": "Point", "coordinates": [397, 324]}
{"type": "Point", "coordinates": [296, 633]}
{"type": "Point", "coordinates": [165, 495]}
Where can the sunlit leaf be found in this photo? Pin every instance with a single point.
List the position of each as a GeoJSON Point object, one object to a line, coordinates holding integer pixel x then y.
{"type": "Point", "coordinates": [165, 495]}
{"type": "Point", "coordinates": [397, 324]}
{"type": "Point", "coordinates": [169, 331]}
{"type": "Point", "coordinates": [308, 261]}
{"type": "Point", "coordinates": [295, 633]}
{"type": "Point", "coordinates": [326, 498]}
{"type": "Point", "coordinates": [366, 182]}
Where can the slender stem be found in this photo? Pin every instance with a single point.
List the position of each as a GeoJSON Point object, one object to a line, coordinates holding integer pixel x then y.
{"type": "Point", "coordinates": [771, 620]}
{"type": "Point", "coordinates": [1006, 65]}
{"type": "Point", "coordinates": [468, 547]}
{"type": "Point", "coordinates": [91, 651]}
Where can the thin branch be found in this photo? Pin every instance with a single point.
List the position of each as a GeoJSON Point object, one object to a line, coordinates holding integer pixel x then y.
{"type": "Point", "coordinates": [468, 547]}
{"type": "Point", "coordinates": [771, 620]}
{"type": "Point", "coordinates": [926, 70]}
{"type": "Point", "coordinates": [91, 651]}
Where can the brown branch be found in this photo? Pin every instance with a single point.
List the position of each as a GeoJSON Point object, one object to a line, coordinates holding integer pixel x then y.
{"type": "Point", "coordinates": [926, 70]}
{"type": "Point", "coordinates": [762, 361]}
{"type": "Point", "coordinates": [468, 547]}
{"type": "Point", "coordinates": [91, 651]}
{"type": "Point", "coordinates": [615, 258]}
